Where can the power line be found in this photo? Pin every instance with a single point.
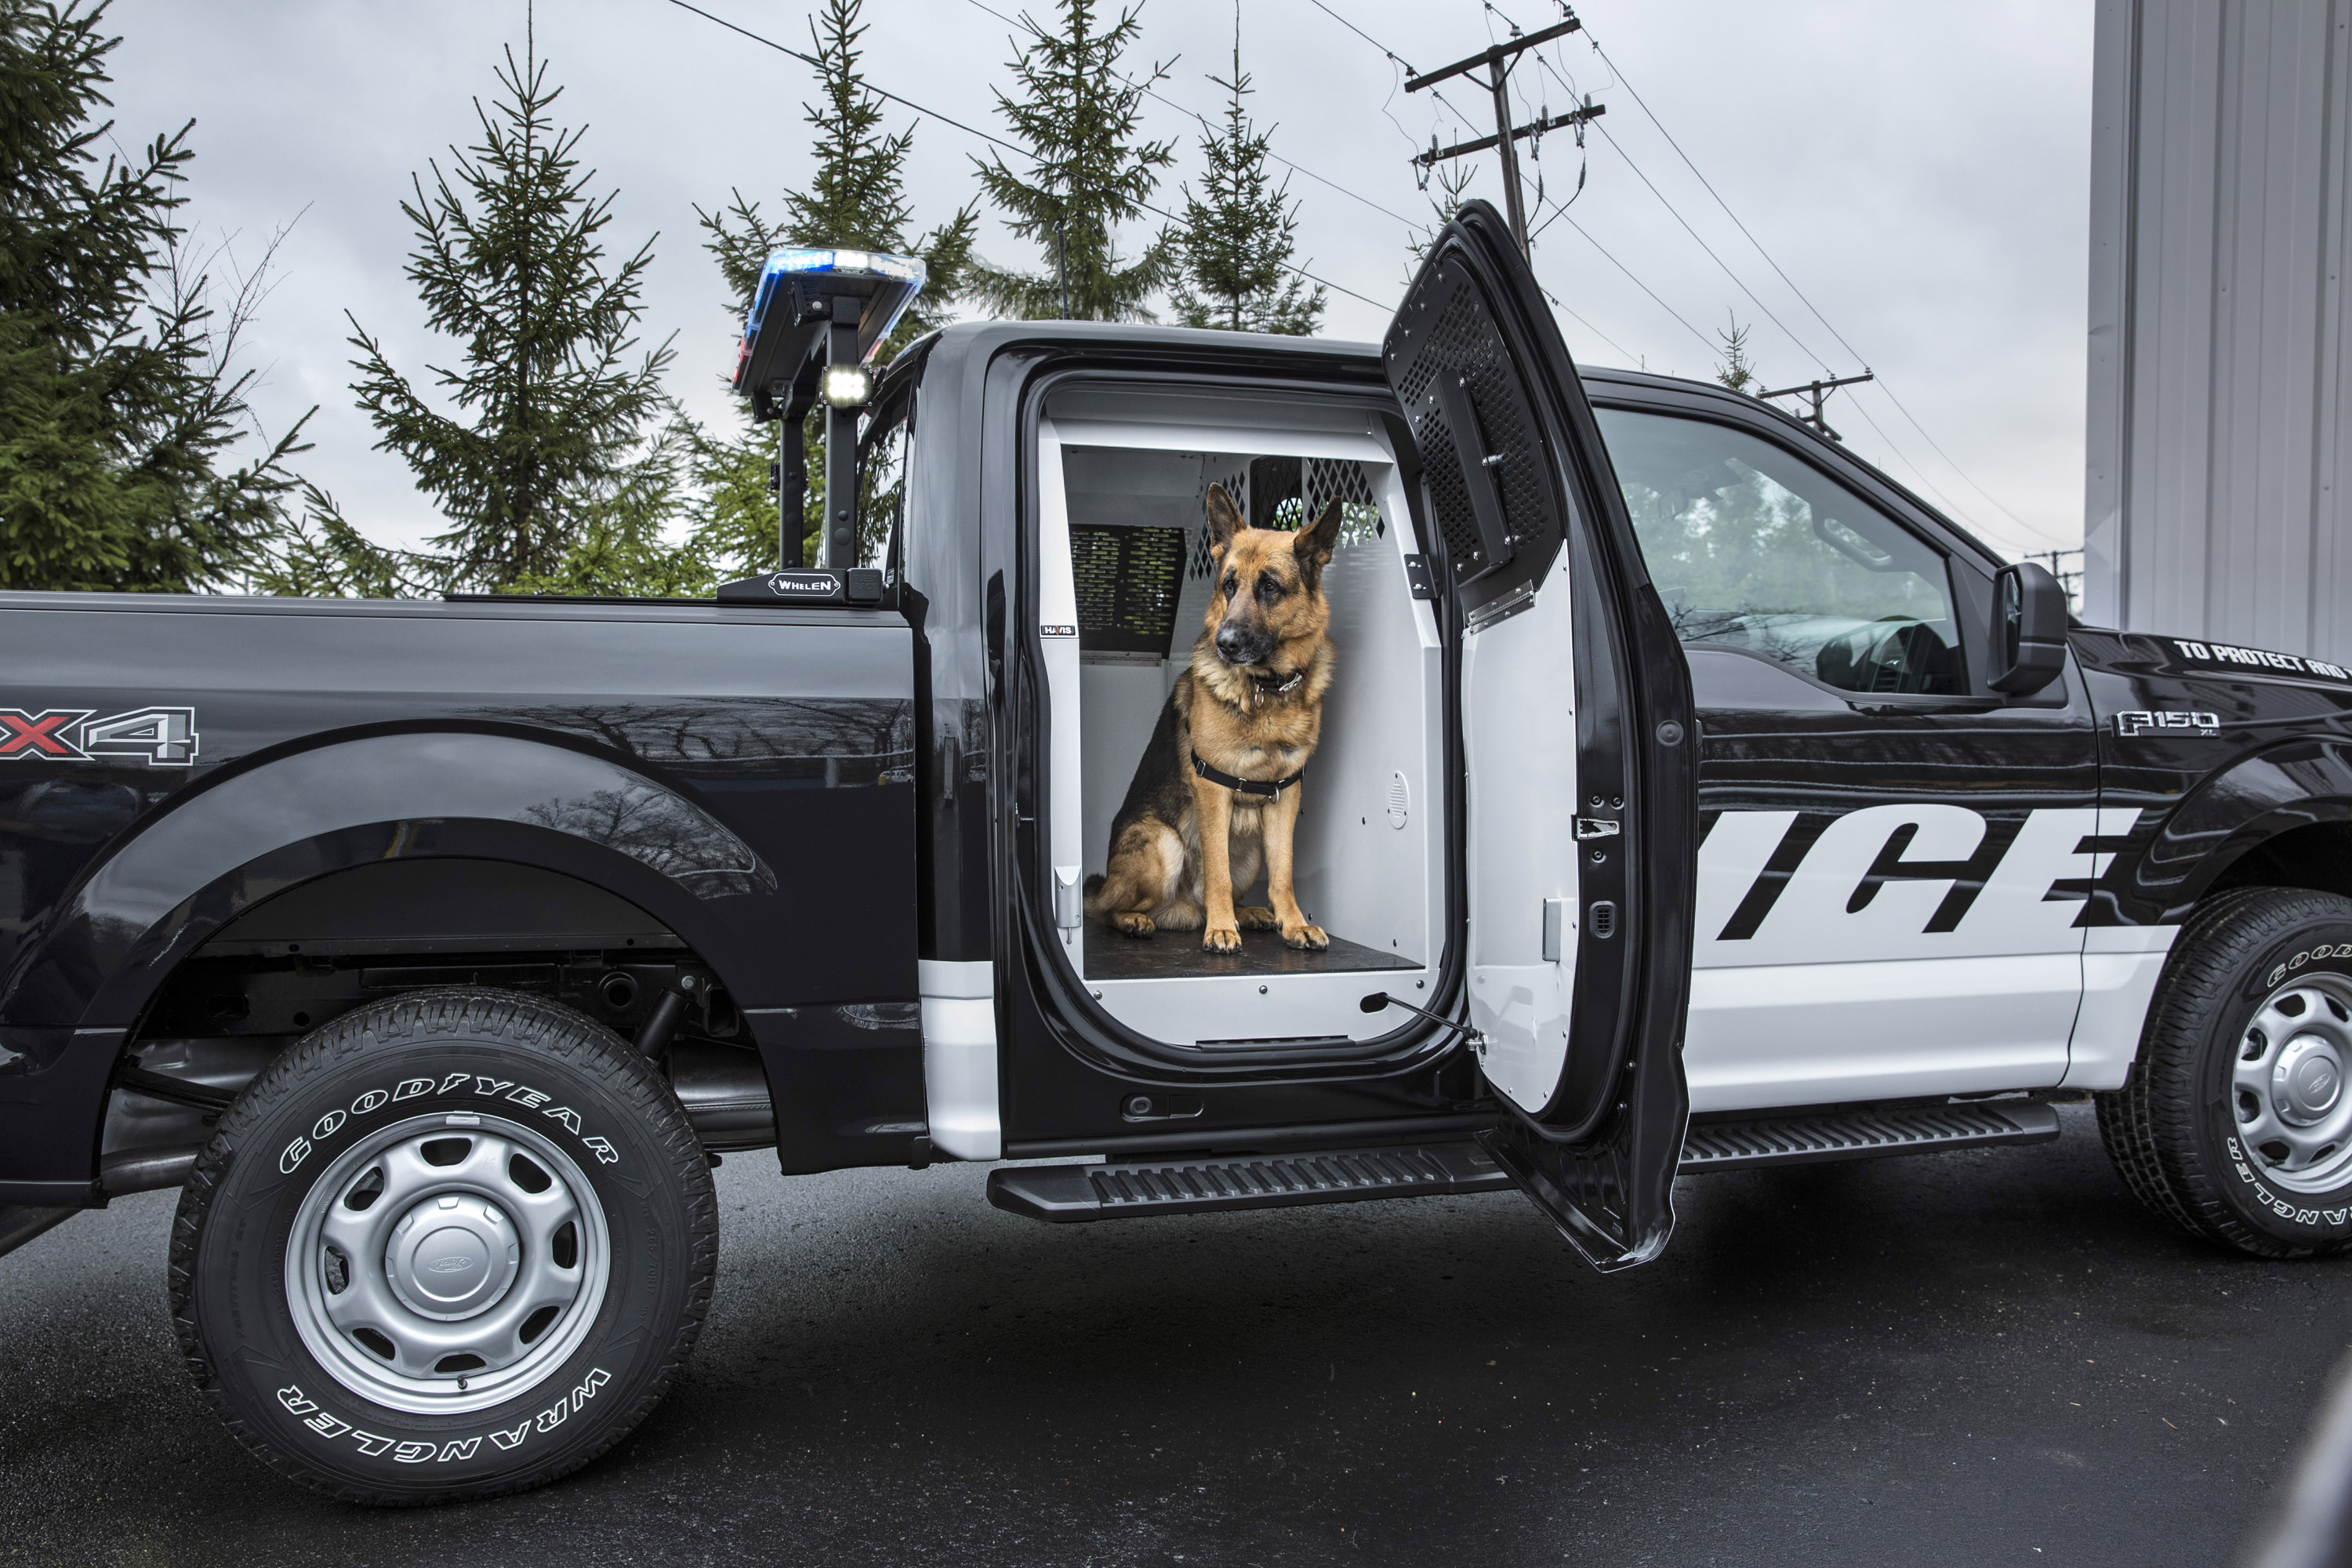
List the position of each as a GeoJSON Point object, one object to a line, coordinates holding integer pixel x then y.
{"type": "Point", "coordinates": [1560, 211]}
{"type": "Point", "coordinates": [974, 131]}
{"type": "Point", "coordinates": [1802, 298]}
{"type": "Point", "coordinates": [1366, 36]}
{"type": "Point", "coordinates": [1149, 91]}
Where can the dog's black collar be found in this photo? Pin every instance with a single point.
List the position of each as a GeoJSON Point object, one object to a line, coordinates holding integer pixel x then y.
{"type": "Point", "coordinates": [1270, 789]}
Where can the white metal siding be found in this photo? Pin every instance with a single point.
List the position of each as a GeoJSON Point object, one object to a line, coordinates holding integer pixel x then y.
{"type": "Point", "coordinates": [2218, 373]}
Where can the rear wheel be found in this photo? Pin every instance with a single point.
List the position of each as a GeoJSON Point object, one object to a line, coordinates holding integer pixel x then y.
{"type": "Point", "coordinates": [2236, 1121]}
{"type": "Point", "coordinates": [452, 1245]}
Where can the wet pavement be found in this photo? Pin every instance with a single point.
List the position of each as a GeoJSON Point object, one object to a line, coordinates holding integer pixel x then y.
{"type": "Point", "coordinates": [1977, 1357]}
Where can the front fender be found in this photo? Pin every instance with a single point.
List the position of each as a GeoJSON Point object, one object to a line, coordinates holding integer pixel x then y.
{"type": "Point", "coordinates": [262, 830]}
{"type": "Point", "coordinates": [2291, 784]}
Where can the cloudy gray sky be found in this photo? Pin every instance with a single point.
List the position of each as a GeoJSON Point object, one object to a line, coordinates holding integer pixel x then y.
{"type": "Point", "coordinates": [1918, 170]}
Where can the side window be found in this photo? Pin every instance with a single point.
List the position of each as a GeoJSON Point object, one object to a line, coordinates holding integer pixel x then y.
{"type": "Point", "coordinates": [882, 485]}
{"type": "Point", "coordinates": [1753, 550]}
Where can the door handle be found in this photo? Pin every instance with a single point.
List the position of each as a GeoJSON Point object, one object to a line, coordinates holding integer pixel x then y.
{"type": "Point", "coordinates": [1478, 468]}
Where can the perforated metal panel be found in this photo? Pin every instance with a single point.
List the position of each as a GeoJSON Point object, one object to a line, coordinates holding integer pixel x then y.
{"type": "Point", "coordinates": [1448, 331]}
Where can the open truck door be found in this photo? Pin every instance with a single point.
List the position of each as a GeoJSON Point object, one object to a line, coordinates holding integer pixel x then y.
{"type": "Point", "coordinates": [1579, 749]}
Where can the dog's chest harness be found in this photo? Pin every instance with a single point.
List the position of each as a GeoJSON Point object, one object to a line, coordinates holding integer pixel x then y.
{"type": "Point", "coordinates": [1270, 789]}
{"type": "Point", "coordinates": [1266, 789]}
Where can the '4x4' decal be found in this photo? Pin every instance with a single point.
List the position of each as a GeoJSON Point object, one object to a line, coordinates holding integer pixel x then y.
{"type": "Point", "coordinates": [161, 737]}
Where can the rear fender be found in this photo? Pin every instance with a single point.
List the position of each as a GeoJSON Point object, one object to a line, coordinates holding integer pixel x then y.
{"type": "Point", "coordinates": [75, 995]}
{"type": "Point", "coordinates": [258, 832]}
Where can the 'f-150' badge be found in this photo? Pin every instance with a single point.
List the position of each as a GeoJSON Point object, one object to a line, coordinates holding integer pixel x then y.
{"type": "Point", "coordinates": [161, 737]}
{"type": "Point", "coordinates": [2140, 723]}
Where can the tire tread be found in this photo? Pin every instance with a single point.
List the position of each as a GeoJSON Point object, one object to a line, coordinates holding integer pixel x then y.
{"type": "Point", "coordinates": [2150, 1126]}
{"type": "Point", "coordinates": [535, 1024]}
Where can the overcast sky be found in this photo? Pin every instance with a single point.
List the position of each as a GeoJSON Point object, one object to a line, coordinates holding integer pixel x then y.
{"type": "Point", "coordinates": [1920, 172]}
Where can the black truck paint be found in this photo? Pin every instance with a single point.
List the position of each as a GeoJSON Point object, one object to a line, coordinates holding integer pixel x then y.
{"type": "Point", "coordinates": [803, 802]}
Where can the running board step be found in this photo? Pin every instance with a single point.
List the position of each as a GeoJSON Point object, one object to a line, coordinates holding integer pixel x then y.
{"type": "Point", "coordinates": [1064, 1193]}
{"type": "Point", "coordinates": [1863, 1134]}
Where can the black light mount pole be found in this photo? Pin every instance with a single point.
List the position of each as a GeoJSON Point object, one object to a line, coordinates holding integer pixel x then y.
{"type": "Point", "coordinates": [1817, 392]}
{"type": "Point", "coordinates": [1497, 62]}
{"type": "Point", "coordinates": [1062, 265]}
{"type": "Point", "coordinates": [792, 490]}
{"type": "Point", "coordinates": [841, 361]}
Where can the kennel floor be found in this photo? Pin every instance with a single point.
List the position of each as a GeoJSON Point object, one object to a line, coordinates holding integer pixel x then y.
{"type": "Point", "coordinates": [1178, 954]}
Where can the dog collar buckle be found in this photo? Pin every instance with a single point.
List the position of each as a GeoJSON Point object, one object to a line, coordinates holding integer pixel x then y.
{"type": "Point", "coordinates": [1289, 683]}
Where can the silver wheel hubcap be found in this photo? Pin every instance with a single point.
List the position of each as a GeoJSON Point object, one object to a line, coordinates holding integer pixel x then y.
{"type": "Point", "coordinates": [2294, 1116]}
{"type": "Point", "coordinates": [442, 1265]}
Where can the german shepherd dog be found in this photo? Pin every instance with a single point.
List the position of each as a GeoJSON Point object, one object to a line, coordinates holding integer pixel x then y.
{"type": "Point", "coordinates": [1216, 794]}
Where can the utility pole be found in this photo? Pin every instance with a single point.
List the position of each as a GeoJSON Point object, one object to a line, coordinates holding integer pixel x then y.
{"type": "Point", "coordinates": [1817, 391]}
{"type": "Point", "coordinates": [1497, 62]}
{"type": "Point", "coordinates": [2070, 581]}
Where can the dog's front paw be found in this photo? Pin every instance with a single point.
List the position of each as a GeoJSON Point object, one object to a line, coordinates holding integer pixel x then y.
{"type": "Point", "coordinates": [1252, 918]}
{"type": "Point", "coordinates": [1222, 939]}
{"type": "Point", "coordinates": [1134, 925]}
{"type": "Point", "coordinates": [1307, 936]}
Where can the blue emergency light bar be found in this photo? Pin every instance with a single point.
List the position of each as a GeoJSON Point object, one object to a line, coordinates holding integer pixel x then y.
{"type": "Point", "coordinates": [783, 332]}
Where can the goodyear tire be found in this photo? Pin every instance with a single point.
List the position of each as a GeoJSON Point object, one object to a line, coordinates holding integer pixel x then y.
{"type": "Point", "coordinates": [452, 1245]}
{"type": "Point", "coordinates": [2236, 1121]}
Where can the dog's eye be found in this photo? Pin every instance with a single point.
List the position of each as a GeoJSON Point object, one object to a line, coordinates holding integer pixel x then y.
{"type": "Point", "coordinates": [1231, 584]}
{"type": "Point", "coordinates": [1269, 587]}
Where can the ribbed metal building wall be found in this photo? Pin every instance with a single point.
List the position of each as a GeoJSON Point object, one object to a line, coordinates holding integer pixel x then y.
{"type": "Point", "coordinates": [2217, 443]}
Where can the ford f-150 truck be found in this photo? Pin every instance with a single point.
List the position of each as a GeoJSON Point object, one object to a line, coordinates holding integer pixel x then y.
{"type": "Point", "coordinates": [1691, 798]}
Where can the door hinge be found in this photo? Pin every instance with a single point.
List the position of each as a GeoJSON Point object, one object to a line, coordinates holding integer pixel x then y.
{"type": "Point", "coordinates": [1596, 826]}
{"type": "Point", "coordinates": [1416, 577]}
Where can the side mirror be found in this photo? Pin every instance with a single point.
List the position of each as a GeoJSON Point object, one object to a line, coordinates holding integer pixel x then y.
{"type": "Point", "coordinates": [2029, 629]}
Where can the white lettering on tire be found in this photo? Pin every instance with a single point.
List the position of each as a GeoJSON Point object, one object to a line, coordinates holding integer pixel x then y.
{"type": "Point", "coordinates": [521, 1094]}
{"type": "Point", "coordinates": [414, 1452]}
{"type": "Point", "coordinates": [2277, 1205]}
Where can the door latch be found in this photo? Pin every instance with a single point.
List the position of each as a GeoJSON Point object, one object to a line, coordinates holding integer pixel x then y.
{"type": "Point", "coordinates": [1596, 826]}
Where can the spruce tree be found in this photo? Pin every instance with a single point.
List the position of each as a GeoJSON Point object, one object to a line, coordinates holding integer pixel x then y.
{"type": "Point", "coordinates": [1087, 173]}
{"type": "Point", "coordinates": [1735, 372]}
{"type": "Point", "coordinates": [118, 404]}
{"type": "Point", "coordinates": [556, 433]}
{"type": "Point", "coordinates": [1234, 248]}
{"type": "Point", "coordinates": [857, 197]}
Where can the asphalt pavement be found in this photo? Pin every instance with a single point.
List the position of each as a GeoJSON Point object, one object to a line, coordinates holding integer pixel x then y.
{"type": "Point", "coordinates": [1968, 1358]}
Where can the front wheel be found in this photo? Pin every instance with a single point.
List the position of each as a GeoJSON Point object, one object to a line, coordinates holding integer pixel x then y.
{"type": "Point", "coordinates": [452, 1245]}
{"type": "Point", "coordinates": [2236, 1122]}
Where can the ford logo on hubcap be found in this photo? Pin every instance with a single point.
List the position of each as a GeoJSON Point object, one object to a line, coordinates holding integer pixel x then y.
{"type": "Point", "coordinates": [452, 1264]}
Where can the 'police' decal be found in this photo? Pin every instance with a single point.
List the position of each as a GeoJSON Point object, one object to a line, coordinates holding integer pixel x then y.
{"type": "Point", "coordinates": [1926, 880]}
{"type": "Point", "coordinates": [161, 737]}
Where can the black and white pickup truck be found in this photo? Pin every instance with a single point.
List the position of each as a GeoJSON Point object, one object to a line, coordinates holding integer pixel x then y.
{"type": "Point", "coordinates": [1691, 798]}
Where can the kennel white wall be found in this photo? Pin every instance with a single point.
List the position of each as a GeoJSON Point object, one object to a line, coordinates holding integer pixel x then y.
{"type": "Point", "coordinates": [1379, 879]}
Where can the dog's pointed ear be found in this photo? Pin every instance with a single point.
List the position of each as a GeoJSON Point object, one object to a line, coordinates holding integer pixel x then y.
{"type": "Point", "coordinates": [1315, 542]}
{"type": "Point", "coordinates": [1226, 519]}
